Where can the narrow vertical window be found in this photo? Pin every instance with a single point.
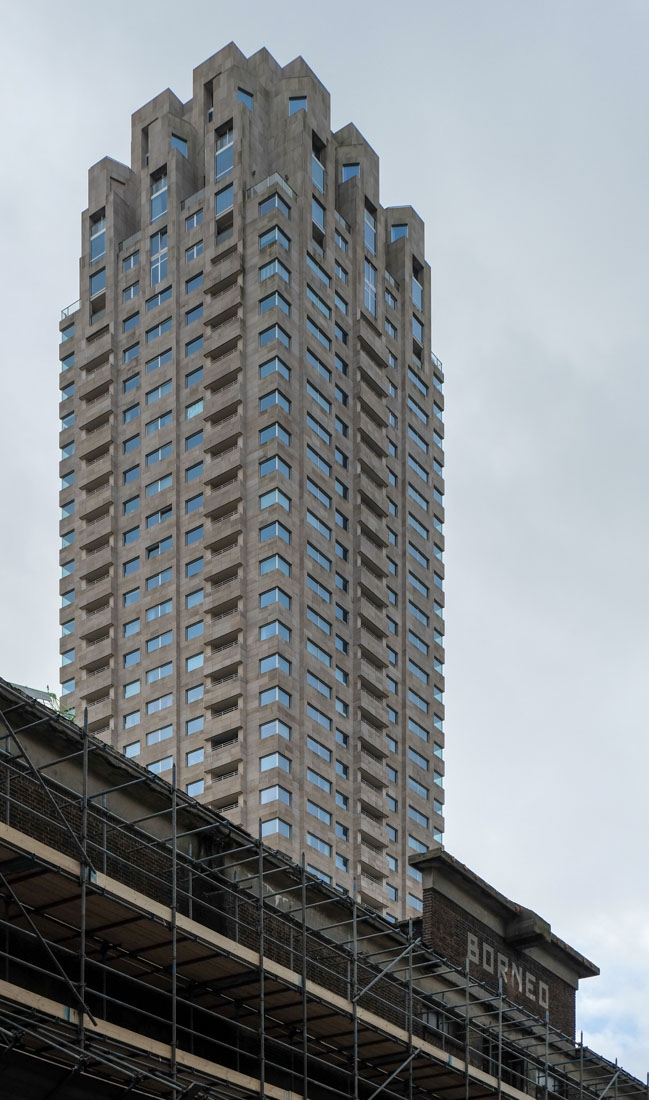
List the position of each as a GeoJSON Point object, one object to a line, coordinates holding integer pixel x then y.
{"type": "Point", "coordinates": [159, 195]}
{"type": "Point", "coordinates": [370, 288]}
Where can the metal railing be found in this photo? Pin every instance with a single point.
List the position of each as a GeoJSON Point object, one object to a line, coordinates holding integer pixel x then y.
{"type": "Point", "coordinates": [72, 308]}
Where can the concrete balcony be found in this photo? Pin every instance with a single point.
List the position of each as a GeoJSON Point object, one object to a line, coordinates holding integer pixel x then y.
{"type": "Point", "coordinates": [93, 684]}
{"type": "Point", "coordinates": [372, 435]}
{"type": "Point", "coordinates": [96, 652]}
{"type": "Point", "coordinates": [224, 397]}
{"type": "Point", "coordinates": [224, 691]}
{"type": "Point", "coordinates": [98, 615]}
{"type": "Point", "coordinates": [373, 708]}
{"type": "Point", "coordinates": [375, 378]}
{"type": "Point", "coordinates": [372, 770]}
{"type": "Point", "coordinates": [224, 755]}
{"type": "Point", "coordinates": [222, 559]}
{"type": "Point", "coordinates": [372, 860]}
{"type": "Point", "coordinates": [100, 714]}
{"type": "Point", "coordinates": [372, 892]}
{"type": "Point", "coordinates": [97, 503]}
{"type": "Point", "coordinates": [225, 720]}
{"type": "Point", "coordinates": [226, 265]}
{"type": "Point", "coordinates": [222, 658]}
{"type": "Point", "coordinates": [223, 529]}
{"type": "Point", "coordinates": [220, 341]}
{"type": "Point", "coordinates": [223, 497]}
{"type": "Point", "coordinates": [372, 523]}
{"type": "Point", "coordinates": [372, 466]}
{"type": "Point", "coordinates": [373, 678]}
{"type": "Point", "coordinates": [97, 350]}
{"type": "Point", "coordinates": [96, 535]}
{"type": "Point", "coordinates": [372, 617]}
{"type": "Point", "coordinates": [373, 409]}
{"type": "Point", "coordinates": [221, 791]}
{"type": "Point", "coordinates": [96, 562]}
{"type": "Point", "coordinates": [222, 301]}
{"type": "Point", "coordinates": [372, 555]}
{"type": "Point", "coordinates": [371, 831]}
{"type": "Point", "coordinates": [373, 739]}
{"type": "Point", "coordinates": [222, 595]}
{"type": "Point", "coordinates": [94, 592]}
{"type": "Point", "coordinates": [95, 441]}
{"type": "Point", "coordinates": [219, 371]}
{"type": "Point", "coordinates": [372, 799]}
{"type": "Point", "coordinates": [100, 464]}
{"type": "Point", "coordinates": [372, 587]}
{"type": "Point", "coordinates": [224, 433]}
{"type": "Point", "coordinates": [93, 412]}
{"type": "Point", "coordinates": [94, 383]}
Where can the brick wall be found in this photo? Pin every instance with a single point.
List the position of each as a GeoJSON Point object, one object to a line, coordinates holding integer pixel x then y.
{"type": "Point", "coordinates": [456, 934]}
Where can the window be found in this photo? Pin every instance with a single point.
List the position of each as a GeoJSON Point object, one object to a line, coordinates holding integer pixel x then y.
{"type": "Point", "coordinates": [275, 728]}
{"type": "Point", "coordinates": [194, 314]}
{"type": "Point", "coordinates": [275, 397]}
{"type": "Point", "coordinates": [296, 103]}
{"type": "Point", "coordinates": [274, 431]}
{"type": "Point", "coordinates": [274, 760]}
{"type": "Point", "coordinates": [319, 461]}
{"type": "Point", "coordinates": [275, 561]}
{"type": "Point", "coordinates": [193, 252]}
{"type": "Point", "coordinates": [275, 267]}
{"type": "Point", "coordinates": [224, 155]}
{"type": "Point", "coordinates": [192, 346]}
{"type": "Point", "coordinates": [193, 220]}
{"type": "Point", "coordinates": [193, 377]}
{"type": "Point", "coordinates": [370, 229]}
{"type": "Point", "coordinates": [272, 235]}
{"type": "Point", "coordinates": [318, 302]}
{"type": "Point", "coordinates": [398, 231]}
{"type": "Point", "coordinates": [318, 212]}
{"type": "Point", "coordinates": [245, 97]}
{"type": "Point", "coordinates": [340, 272]}
{"type": "Point", "coordinates": [194, 440]}
{"type": "Point", "coordinates": [320, 845]}
{"type": "Point", "coordinates": [159, 257]}
{"type": "Point", "coordinates": [159, 454]}
{"type": "Point", "coordinates": [318, 780]}
{"type": "Point", "coordinates": [275, 332]}
{"type": "Point", "coordinates": [194, 283]}
{"type": "Point", "coordinates": [340, 302]}
{"type": "Point", "coordinates": [97, 236]}
{"type": "Point", "coordinates": [274, 202]}
{"type": "Point", "coordinates": [274, 464]}
{"type": "Point", "coordinates": [317, 556]}
{"type": "Point", "coordinates": [160, 547]}
{"type": "Point", "coordinates": [158, 579]}
{"type": "Point", "coordinates": [159, 194]}
{"type": "Point", "coordinates": [158, 361]}
{"type": "Point", "coordinates": [274, 595]}
{"type": "Point", "coordinates": [274, 300]}
{"type": "Point", "coordinates": [370, 288]}
{"type": "Point", "coordinates": [350, 171]}
{"type": "Point", "coordinates": [224, 200]}
{"type": "Point", "coordinates": [274, 530]}
{"type": "Point", "coordinates": [159, 766]}
{"type": "Point", "coordinates": [274, 661]}
{"type": "Point", "coordinates": [131, 261]}
{"type": "Point", "coordinates": [275, 794]}
{"type": "Point", "coordinates": [274, 629]}
{"type": "Point", "coordinates": [275, 825]}
{"type": "Point", "coordinates": [159, 422]}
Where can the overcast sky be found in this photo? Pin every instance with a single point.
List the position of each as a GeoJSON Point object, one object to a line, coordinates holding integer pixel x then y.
{"type": "Point", "coordinates": [518, 130]}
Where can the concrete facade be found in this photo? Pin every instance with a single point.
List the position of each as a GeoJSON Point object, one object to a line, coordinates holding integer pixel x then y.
{"type": "Point", "coordinates": [252, 477]}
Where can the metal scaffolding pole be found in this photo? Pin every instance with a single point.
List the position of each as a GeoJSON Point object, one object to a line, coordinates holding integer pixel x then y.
{"type": "Point", "coordinates": [262, 1006]}
{"type": "Point", "coordinates": [83, 867]}
{"type": "Point", "coordinates": [174, 926]}
{"type": "Point", "coordinates": [305, 1002]}
{"type": "Point", "coordinates": [354, 991]}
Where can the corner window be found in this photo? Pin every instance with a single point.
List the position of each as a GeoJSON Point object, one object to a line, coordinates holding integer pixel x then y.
{"type": "Point", "coordinates": [398, 231]}
{"type": "Point", "coordinates": [370, 230]}
{"type": "Point", "coordinates": [349, 171]}
{"type": "Point", "coordinates": [224, 155]}
{"type": "Point", "coordinates": [179, 143]}
{"type": "Point", "coordinates": [97, 236]}
{"type": "Point", "coordinates": [245, 97]}
{"type": "Point", "coordinates": [296, 103]}
{"type": "Point", "coordinates": [159, 195]}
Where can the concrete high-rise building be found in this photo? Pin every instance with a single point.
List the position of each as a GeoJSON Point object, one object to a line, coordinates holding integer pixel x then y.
{"type": "Point", "coordinates": [252, 477]}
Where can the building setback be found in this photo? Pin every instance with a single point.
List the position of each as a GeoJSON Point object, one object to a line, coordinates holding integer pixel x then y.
{"type": "Point", "coordinates": [252, 477]}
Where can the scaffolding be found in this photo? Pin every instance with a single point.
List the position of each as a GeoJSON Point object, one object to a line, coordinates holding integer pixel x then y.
{"type": "Point", "coordinates": [150, 947]}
